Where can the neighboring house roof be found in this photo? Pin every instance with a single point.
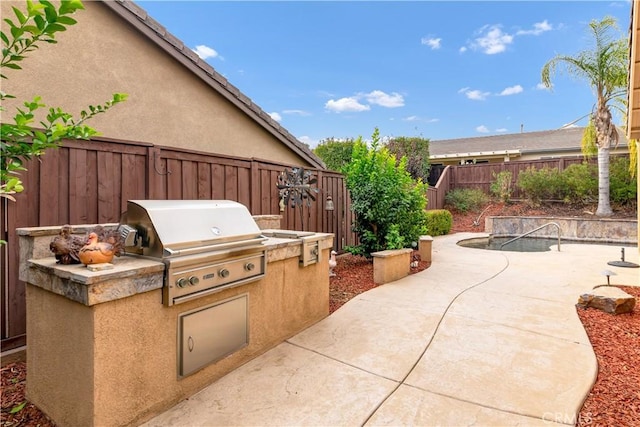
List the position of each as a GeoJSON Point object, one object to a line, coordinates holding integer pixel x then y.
{"type": "Point", "coordinates": [138, 17]}
{"type": "Point", "coordinates": [548, 141]}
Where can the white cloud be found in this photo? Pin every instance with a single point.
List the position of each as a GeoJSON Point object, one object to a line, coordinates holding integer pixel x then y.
{"type": "Point", "coordinates": [296, 112]}
{"type": "Point", "coordinates": [482, 129]}
{"type": "Point", "coordinates": [501, 130]}
{"type": "Point", "coordinates": [463, 49]}
{"type": "Point", "coordinates": [492, 40]}
{"type": "Point", "coordinates": [346, 105]}
{"type": "Point", "coordinates": [205, 52]}
{"type": "Point", "coordinates": [569, 125]}
{"type": "Point", "coordinates": [476, 95]}
{"type": "Point", "coordinates": [538, 28]}
{"type": "Point", "coordinates": [431, 42]}
{"type": "Point", "coordinates": [511, 90]}
{"type": "Point", "coordinates": [275, 116]}
{"type": "Point", "coordinates": [419, 119]}
{"type": "Point", "coordinates": [378, 97]}
{"type": "Point", "coordinates": [541, 86]}
{"type": "Point", "coordinates": [309, 141]}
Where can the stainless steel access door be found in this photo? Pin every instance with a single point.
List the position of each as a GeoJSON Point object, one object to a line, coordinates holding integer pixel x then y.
{"type": "Point", "coordinates": [208, 334]}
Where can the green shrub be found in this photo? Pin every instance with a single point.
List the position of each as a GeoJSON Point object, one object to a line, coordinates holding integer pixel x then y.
{"type": "Point", "coordinates": [501, 186]}
{"type": "Point", "coordinates": [439, 222]}
{"type": "Point", "coordinates": [542, 184]}
{"type": "Point", "coordinates": [623, 187]}
{"type": "Point", "coordinates": [389, 206]}
{"type": "Point", "coordinates": [581, 181]}
{"type": "Point", "coordinates": [466, 199]}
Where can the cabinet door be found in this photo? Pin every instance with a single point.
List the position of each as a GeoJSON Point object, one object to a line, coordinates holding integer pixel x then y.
{"type": "Point", "coordinates": [211, 333]}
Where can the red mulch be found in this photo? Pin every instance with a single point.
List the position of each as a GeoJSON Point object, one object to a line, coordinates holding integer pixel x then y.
{"type": "Point", "coordinates": [354, 275]}
{"type": "Point", "coordinates": [613, 401]}
{"type": "Point", "coordinates": [14, 379]}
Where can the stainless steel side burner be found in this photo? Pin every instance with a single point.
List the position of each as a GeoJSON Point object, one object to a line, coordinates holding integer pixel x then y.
{"type": "Point", "coordinates": [206, 245]}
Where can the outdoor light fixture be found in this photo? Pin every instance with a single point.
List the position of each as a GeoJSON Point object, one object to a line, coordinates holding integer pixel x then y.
{"type": "Point", "coordinates": [328, 206]}
{"type": "Point", "coordinates": [608, 273]}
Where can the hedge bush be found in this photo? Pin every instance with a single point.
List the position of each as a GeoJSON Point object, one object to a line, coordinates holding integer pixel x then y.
{"type": "Point", "coordinates": [623, 187]}
{"type": "Point", "coordinates": [439, 222]}
{"type": "Point", "coordinates": [389, 205]}
{"type": "Point", "coordinates": [578, 183]}
{"type": "Point", "coordinates": [542, 184]}
{"type": "Point", "coordinates": [464, 200]}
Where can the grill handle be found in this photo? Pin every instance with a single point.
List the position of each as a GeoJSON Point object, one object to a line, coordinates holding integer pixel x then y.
{"type": "Point", "coordinates": [168, 252]}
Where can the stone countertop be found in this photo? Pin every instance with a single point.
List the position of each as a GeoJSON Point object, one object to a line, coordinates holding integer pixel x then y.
{"type": "Point", "coordinates": [129, 276]}
{"type": "Point", "coordinates": [132, 275]}
{"type": "Point", "coordinates": [123, 267]}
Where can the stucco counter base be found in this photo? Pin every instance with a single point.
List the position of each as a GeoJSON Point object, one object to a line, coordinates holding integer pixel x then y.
{"type": "Point", "coordinates": [102, 347]}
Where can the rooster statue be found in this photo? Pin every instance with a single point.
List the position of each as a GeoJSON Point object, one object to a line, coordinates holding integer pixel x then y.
{"type": "Point", "coordinates": [65, 246]}
{"type": "Point", "coordinates": [332, 263]}
{"type": "Point", "coordinates": [96, 252]}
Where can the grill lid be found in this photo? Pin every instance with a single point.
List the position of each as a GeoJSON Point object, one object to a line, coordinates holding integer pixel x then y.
{"type": "Point", "coordinates": [172, 227]}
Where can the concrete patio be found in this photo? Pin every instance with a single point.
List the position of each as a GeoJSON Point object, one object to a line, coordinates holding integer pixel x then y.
{"type": "Point", "coordinates": [479, 338]}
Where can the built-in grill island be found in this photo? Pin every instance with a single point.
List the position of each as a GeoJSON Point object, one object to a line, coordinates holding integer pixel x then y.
{"type": "Point", "coordinates": [206, 245]}
{"type": "Point", "coordinates": [200, 290]}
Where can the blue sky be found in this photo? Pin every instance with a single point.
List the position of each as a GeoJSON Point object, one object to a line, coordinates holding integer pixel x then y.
{"type": "Point", "coordinates": [437, 70]}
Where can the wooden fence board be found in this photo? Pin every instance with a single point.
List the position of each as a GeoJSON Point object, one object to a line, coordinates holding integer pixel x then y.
{"type": "Point", "coordinates": [204, 181]}
{"type": "Point", "coordinates": [230, 183]}
{"type": "Point", "coordinates": [78, 213]}
{"type": "Point", "coordinates": [244, 186]}
{"type": "Point", "coordinates": [91, 189]}
{"type": "Point", "coordinates": [106, 186]}
{"type": "Point", "coordinates": [49, 199]}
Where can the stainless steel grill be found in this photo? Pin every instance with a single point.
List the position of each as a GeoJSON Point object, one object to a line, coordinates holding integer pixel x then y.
{"type": "Point", "coordinates": [206, 245]}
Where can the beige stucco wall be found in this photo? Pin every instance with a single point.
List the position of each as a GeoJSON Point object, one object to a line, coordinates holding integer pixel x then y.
{"type": "Point", "coordinates": [115, 363]}
{"type": "Point", "coordinates": [168, 104]}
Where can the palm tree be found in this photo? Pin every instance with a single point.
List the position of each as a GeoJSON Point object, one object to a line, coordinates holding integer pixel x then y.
{"type": "Point", "coordinates": [605, 67]}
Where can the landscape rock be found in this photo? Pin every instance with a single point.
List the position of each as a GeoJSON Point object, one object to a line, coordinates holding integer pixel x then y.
{"type": "Point", "coordinates": [609, 299]}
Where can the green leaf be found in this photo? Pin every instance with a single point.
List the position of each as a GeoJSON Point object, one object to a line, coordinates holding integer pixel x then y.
{"type": "Point", "coordinates": [53, 28]}
{"type": "Point", "coordinates": [16, 32]}
{"type": "Point", "coordinates": [70, 6]}
{"type": "Point", "coordinates": [4, 37]}
{"type": "Point", "coordinates": [66, 20]}
{"type": "Point", "coordinates": [18, 408]}
{"type": "Point", "coordinates": [50, 12]}
{"type": "Point", "coordinates": [12, 66]}
{"type": "Point", "coordinates": [10, 22]}
{"type": "Point", "coordinates": [34, 9]}
{"type": "Point", "coordinates": [21, 18]}
{"type": "Point", "coordinates": [33, 30]}
{"type": "Point", "coordinates": [40, 22]}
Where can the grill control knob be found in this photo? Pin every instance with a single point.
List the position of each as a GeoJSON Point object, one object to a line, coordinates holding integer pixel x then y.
{"type": "Point", "coordinates": [223, 273]}
{"type": "Point", "coordinates": [182, 282]}
{"type": "Point", "coordinates": [193, 280]}
{"type": "Point", "coordinates": [249, 266]}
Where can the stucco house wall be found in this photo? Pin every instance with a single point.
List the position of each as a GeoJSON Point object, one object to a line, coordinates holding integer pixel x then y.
{"type": "Point", "coordinates": [171, 98]}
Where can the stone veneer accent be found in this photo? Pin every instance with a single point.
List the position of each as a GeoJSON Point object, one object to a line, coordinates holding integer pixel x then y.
{"type": "Point", "coordinates": [597, 229]}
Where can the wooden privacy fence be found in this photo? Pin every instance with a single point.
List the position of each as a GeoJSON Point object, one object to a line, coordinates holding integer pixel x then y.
{"type": "Point", "coordinates": [90, 182]}
{"type": "Point", "coordinates": [481, 176]}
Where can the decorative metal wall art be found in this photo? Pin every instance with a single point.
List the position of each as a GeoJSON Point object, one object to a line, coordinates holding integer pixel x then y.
{"type": "Point", "coordinates": [296, 188]}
